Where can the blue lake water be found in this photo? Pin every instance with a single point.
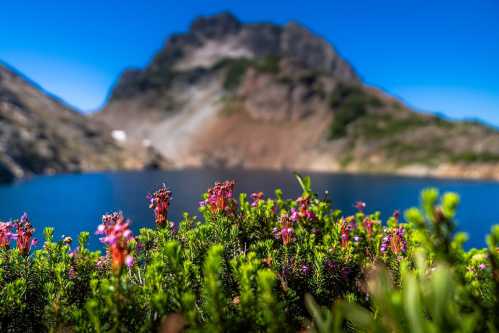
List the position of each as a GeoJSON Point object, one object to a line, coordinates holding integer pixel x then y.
{"type": "Point", "coordinates": [75, 202]}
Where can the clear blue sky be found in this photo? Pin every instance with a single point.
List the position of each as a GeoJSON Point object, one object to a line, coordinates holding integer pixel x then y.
{"type": "Point", "coordinates": [439, 56]}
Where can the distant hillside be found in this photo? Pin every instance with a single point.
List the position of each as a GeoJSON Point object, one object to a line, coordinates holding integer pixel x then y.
{"type": "Point", "coordinates": [41, 135]}
{"type": "Point", "coordinates": [269, 96]}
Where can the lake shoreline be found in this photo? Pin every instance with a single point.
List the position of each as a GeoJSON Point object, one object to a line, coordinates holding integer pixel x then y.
{"type": "Point", "coordinates": [482, 173]}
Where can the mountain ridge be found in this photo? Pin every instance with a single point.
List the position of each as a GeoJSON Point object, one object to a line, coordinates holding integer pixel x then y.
{"type": "Point", "coordinates": [233, 94]}
{"type": "Point", "coordinates": [251, 95]}
{"type": "Point", "coordinates": [42, 134]}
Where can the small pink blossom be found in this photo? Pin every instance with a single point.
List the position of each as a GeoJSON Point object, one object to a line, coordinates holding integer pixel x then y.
{"type": "Point", "coordinates": [256, 198]}
{"type": "Point", "coordinates": [286, 232]}
{"type": "Point", "coordinates": [129, 261]}
{"type": "Point", "coordinates": [360, 206]}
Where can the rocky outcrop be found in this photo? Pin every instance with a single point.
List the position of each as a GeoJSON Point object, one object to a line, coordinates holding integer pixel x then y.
{"type": "Point", "coordinates": [39, 134]}
{"type": "Point", "coordinates": [259, 95]}
{"type": "Point", "coordinates": [212, 39]}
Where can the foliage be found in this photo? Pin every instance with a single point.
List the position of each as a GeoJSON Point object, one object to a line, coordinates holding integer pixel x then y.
{"type": "Point", "coordinates": [350, 102]}
{"type": "Point", "coordinates": [236, 69]}
{"type": "Point", "coordinates": [256, 264]}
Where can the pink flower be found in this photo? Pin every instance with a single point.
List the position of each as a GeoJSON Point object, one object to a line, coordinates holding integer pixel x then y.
{"type": "Point", "coordinates": [368, 226]}
{"type": "Point", "coordinates": [129, 261]}
{"type": "Point", "coordinates": [303, 211]}
{"type": "Point", "coordinates": [256, 198]}
{"type": "Point", "coordinates": [482, 266]}
{"type": "Point", "coordinates": [396, 215]}
{"type": "Point", "coordinates": [394, 240]}
{"type": "Point", "coordinates": [220, 198]}
{"type": "Point", "coordinates": [159, 202]}
{"type": "Point", "coordinates": [286, 232]}
{"type": "Point", "coordinates": [117, 236]}
{"type": "Point", "coordinates": [5, 234]}
{"type": "Point", "coordinates": [24, 233]}
{"type": "Point", "coordinates": [100, 229]}
{"type": "Point", "coordinates": [360, 206]}
{"type": "Point", "coordinates": [347, 225]}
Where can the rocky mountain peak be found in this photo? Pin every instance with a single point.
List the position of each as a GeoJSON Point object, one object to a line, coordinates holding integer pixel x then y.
{"type": "Point", "coordinates": [262, 95]}
{"type": "Point", "coordinates": [213, 39]}
{"type": "Point", "coordinates": [216, 26]}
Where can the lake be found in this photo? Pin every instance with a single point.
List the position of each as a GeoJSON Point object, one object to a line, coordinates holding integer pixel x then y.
{"type": "Point", "coordinates": [75, 202]}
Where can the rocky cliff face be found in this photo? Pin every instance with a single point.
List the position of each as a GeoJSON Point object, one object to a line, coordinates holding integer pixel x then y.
{"type": "Point", "coordinates": [269, 96]}
{"type": "Point", "coordinates": [41, 135]}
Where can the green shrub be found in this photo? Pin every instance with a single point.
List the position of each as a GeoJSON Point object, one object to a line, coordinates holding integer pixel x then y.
{"type": "Point", "coordinates": [235, 73]}
{"type": "Point", "coordinates": [255, 264]}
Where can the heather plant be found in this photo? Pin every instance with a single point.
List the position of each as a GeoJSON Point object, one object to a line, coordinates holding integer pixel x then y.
{"type": "Point", "coordinates": [257, 263]}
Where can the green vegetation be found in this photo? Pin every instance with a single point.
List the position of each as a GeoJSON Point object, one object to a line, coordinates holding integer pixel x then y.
{"type": "Point", "coordinates": [376, 125]}
{"type": "Point", "coordinates": [475, 157]}
{"type": "Point", "coordinates": [236, 69]}
{"type": "Point", "coordinates": [257, 264]}
{"type": "Point", "coordinates": [405, 153]}
{"type": "Point", "coordinates": [231, 105]}
{"type": "Point", "coordinates": [350, 103]}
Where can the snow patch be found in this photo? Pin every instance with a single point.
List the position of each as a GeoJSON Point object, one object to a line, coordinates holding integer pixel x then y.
{"type": "Point", "coordinates": [119, 135]}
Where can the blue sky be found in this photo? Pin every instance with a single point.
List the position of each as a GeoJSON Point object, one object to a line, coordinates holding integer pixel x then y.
{"type": "Point", "coordinates": [438, 56]}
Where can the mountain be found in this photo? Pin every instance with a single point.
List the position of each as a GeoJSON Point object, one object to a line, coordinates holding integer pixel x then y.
{"type": "Point", "coordinates": [39, 134]}
{"type": "Point", "coordinates": [262, 95]}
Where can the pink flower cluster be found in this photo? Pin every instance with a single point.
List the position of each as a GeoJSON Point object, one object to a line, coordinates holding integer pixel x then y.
{"type": "Point", "coordinates": [21, 231]}
{"type": "Point", "coordinates": [256, 198]}
{"type": "Point", "coordinates": [286, 231]}
{"type": "Point", "coordinates": [303, 211]}
{"type": "Point", "coordinates": [368, 225]}
{"type": "Point", "coordinates": [24, 234]}
{"type": "Point", "coordinates": [117, 237]}
{"type": "Point", "coordinates": [159, 202]}
{"type": "Point", "coordinates": [221, 198]}
{"type": "Point", "coordinates": [394, 240]}
{"type": "Point", "coordinates": [6, 234]}
{"type": "Point", "coordinates": [347, 225]}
